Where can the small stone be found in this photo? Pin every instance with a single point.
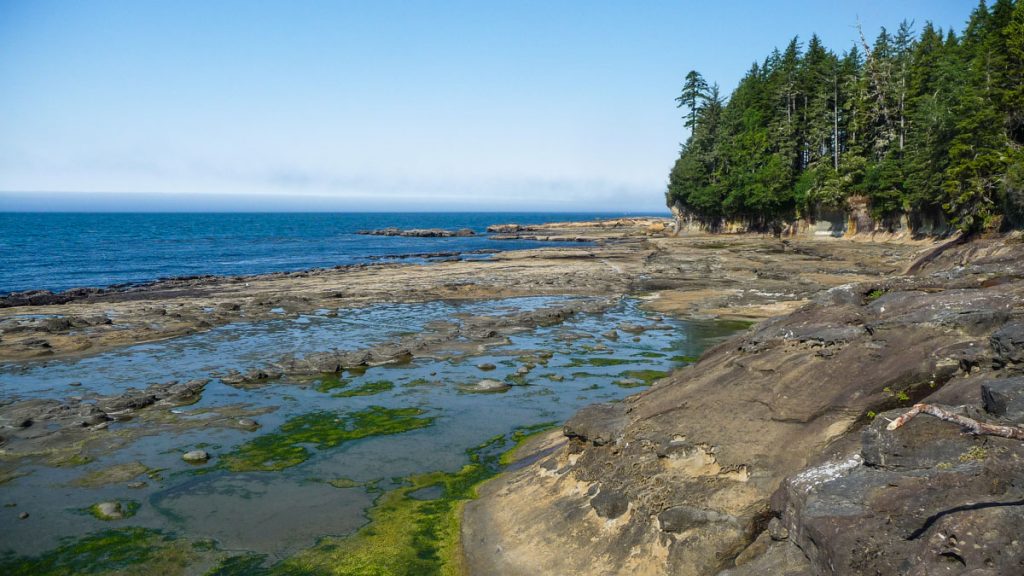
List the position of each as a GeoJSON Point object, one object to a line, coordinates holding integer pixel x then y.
{"type": "Point", "coordinates": [108, 510]}
{"type": "Point", "coordinates": [23, 515]}
{"type": "Point", "coordinates": [611, 335]}
{"type": "Point", "coordinates": [74, 384]}
{"type": "Point", "coordinates": [137, 485]}
{"type": "Point", "coordinates": [486, 366]}
{"type": "Point", "coordinates": [248, 423]}
{"type": "Point", "coordinates": [195, 456]}
{"type": "Point", "coordinates": [523, 370]}
{"type": "Point", "coordinates": [488, 385]}
{"type": "Point", "coordinates": [777, 531]}
{"type": "Point", "coordinates": [556, 377]}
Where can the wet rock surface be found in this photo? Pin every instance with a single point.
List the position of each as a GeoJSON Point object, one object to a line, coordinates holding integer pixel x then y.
{"type": "Point", "coordinates": [419, 232]}
{"type": "Point", "coordinates": [770, 455]}
{"type": "Point", "coordinates": [702, 276]}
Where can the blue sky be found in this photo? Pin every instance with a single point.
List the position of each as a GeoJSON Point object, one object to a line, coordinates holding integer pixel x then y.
{"type": "Point", "coordinates": [376, 105]}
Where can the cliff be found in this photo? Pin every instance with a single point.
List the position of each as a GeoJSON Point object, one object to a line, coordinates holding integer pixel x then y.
{"type": "Point", "coordinates": [770, 455]}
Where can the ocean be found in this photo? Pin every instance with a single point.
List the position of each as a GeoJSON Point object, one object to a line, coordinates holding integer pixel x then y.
{"type": "Point", "coordinates": [57, 251]}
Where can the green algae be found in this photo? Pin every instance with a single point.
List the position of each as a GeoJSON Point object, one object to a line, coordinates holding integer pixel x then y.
{"type": "Point", "coordinates": [330, 382]}
{"type": "Point", "coordinates": [646, 376]}
{"type": "Point", "coordinates": [367, 389]}
{"type": "Point", "coordinates": [344, 483]}
{"type": "Point", "coordinates": [684, 359]}
{"type": "Point", "coordinates": [126, 551]}
{"type": "Point", "coordinates": [128, 509]}
{"type": "Point", "coordinates": [650, 355]}
{"type": "Point", "coordinates": [599, 362]}
{"type": "Point", "coordinates": [520, 437]}
{"type": "Point", "coordinates": [322, 429]}
{"type": "Point", "coordinates": [409, 536]}
{"type": "Point", "coordinates": [241, 565]}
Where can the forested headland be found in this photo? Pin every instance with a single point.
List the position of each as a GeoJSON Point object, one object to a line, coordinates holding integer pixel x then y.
{"type": "Point", "coordinates": [914, 126]}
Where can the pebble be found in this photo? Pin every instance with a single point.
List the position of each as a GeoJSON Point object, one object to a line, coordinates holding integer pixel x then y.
{"type": "Point", "coordinates": [75, 384]}
{"type": "Point", "coordinates": [137, 485]}
{"type": "Point", "coordinates": [195, 456]}
{"type": "Point", "coordinates": [23, 515]}
{"type": "Point", "coordinates": [109, 510]}
{"type": "Point", "coordinates": [248, 423]}
{"type": "Point", "coordinates": [486, 366]}
{"type": "Point", "coordinates": [488, 385]}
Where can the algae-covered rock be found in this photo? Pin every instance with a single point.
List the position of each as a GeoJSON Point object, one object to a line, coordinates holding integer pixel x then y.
{"type": "Point", "coordinates": [195, 456]}
{"type": "Point", "coordinates": [114, 510]}
{"type": "Point", "coordinates": [486, 385]}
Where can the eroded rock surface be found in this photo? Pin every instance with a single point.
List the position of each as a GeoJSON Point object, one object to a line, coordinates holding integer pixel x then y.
{"type": "Point", "coordinates": [778, 427]}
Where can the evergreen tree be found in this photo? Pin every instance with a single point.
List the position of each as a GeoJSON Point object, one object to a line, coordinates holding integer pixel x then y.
{"type": "Point", "coordinates": [913, 123]}
{"type": "Point", "coordinates": [695, 89]}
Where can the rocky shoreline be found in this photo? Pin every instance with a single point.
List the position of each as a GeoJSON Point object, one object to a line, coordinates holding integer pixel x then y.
{"type": "Point", "coordinates": [771, 454]}
{"type": "Point", "coordinates": [658, 489]}
{"type": "Point", "coordinates": [747, 277]}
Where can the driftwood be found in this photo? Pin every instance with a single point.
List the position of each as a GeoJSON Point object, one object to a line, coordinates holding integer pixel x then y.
{"type": "Point", "coordinates": [969, 424]}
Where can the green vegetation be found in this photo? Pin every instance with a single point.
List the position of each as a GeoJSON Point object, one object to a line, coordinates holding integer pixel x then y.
{"type": "Point", "coordinates": [927, 125]}
{"type": "Point", "coordinates": [900, 395]}
{"type": "Point", "coordinates": [112, 474]}
{"type": "Point", "coordinates": [646, 376]}
{"type": "Point", "coordinates": [366, 389]}
{"type": "Point", "coordinates": [874, 295]}
{"type": "Point", "coordinates": [243, 565]}
{"type": "Point", "coordinates": [409, 536]}
{"type": "Point", "coordinates": [287, 447]}
{"type": "Point", "coordinates": [975, 454]}
{"type": "Point", "coordinates": [650, 355]}
{"type": "Point", "coordinates": [600, 362]}
{"type": "Point", "coordinates": [521, 436]}
{"type": "Point", "coordinates": [128, 509]}
{"type": "Point", "coordinates": [127, 551]}
{"type": "Point", "coordinates": [330, 382]}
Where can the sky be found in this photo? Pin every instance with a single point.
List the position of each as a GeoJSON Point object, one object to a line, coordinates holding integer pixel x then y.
{"type": "Point", "coordinates": [377, 105]}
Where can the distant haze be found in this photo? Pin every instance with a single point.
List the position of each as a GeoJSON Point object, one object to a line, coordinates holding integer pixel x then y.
{"type": "Point", "coordinates": [375, 105]}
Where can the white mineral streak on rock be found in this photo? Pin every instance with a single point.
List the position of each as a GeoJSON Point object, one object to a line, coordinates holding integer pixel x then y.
{"type": "Point", "coordinates": [808, 479]}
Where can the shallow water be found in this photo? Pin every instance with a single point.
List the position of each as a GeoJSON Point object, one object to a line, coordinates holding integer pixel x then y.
{"type": "Point", "coordinates": [280, 512]}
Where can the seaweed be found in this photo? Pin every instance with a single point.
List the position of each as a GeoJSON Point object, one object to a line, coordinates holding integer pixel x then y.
{"type": "Point", "coordinates": [123, 551]}
{"type": "Point", "coordinates": [287, 446]}
{"type": "Point", "coordinates": [366, 389]}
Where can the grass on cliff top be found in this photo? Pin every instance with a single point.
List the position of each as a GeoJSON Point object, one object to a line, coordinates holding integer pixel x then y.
{"type": "Point", "coordinates": [287, 447]}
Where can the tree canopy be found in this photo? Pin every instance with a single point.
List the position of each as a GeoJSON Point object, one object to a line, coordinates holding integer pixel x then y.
{"type": "Point", "coordinates": [927, 122]}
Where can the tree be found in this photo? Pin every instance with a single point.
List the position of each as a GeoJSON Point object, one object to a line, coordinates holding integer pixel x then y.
{"type": "Point", "coordinates": [695, 90]}
{"type": "Point", "coordinates": [916, 124]}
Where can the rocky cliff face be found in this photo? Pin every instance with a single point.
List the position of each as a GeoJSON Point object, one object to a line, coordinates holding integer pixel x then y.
{"type": "Point", "coordinates": [770, 455]}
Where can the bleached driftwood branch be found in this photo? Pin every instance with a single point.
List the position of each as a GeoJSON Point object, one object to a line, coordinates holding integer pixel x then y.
{"type": "Point", "coordinates": [969, 424]}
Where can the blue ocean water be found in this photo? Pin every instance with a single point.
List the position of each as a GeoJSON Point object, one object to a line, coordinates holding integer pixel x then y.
{"type": "Point", "coordinates": [57, 251]}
